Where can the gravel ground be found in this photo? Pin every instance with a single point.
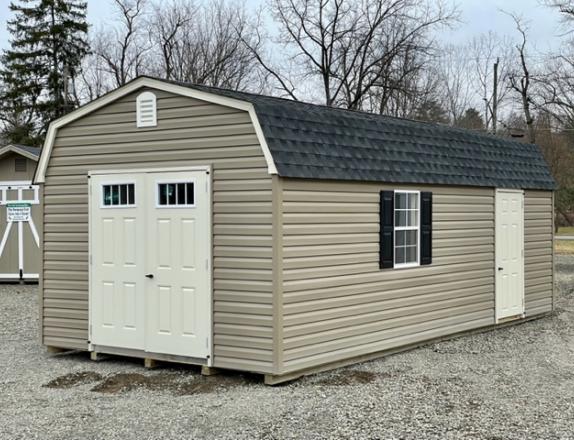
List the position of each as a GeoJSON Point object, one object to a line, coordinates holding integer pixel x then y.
{"type": "Point", "coordinates": [510, 383]}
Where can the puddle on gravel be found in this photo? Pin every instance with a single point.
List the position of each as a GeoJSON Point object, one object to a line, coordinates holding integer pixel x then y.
{"type": "Point", "coordinates": [74, 379]}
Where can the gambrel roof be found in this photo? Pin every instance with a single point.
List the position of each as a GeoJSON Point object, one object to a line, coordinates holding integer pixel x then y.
{"type": "Point", "coordinates": [303, 140]}
{"type": "Point", "coordinates": [319, 142]}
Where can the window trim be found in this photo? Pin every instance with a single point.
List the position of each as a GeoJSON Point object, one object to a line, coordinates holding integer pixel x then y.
{"type": "Point", "coordinates": [178, 180]}
{"type": "Point", "coordinates": [396, 228]}
{"type": "Point", "coordinates": [111, 183]}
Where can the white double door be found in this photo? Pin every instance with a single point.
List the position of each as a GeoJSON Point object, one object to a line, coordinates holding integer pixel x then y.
{"type": "Point", "coordinates": [509, 254]}
{"type": "Point", "coordinates": [150, 262]}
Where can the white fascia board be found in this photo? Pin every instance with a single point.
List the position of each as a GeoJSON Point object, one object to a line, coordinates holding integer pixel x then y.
{"type": "Point", "coordinates": [40, 175]}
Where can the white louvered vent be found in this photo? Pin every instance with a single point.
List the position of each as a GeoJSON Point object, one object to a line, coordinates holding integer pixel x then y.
{"type": "Point", "coordinates": [146, 110]}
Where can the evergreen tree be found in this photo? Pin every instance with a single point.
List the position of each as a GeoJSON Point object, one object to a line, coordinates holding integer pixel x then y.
{"type": "Point", "coordinates": [48, 43]}
{"type": "Point", "coordinates": [431, 111]}
{"type": "Point", "coordinates": [471, 120]}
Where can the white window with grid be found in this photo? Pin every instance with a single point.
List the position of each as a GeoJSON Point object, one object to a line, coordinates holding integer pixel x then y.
{"type": "Point", "coordinates": [407, 228]}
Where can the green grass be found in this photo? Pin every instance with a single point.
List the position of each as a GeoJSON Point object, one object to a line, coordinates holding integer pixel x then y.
{"type": "Point", "coordinates": [564, 247]}
{"type": "Point", "coordinates": [566, 230]}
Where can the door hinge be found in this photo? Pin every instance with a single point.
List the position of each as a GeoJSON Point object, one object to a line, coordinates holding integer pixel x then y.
{"type": "Point", "coordinates": [206, 264]}
{"type": "Point", "coordinates": [90, 259]}
{"type": "Point", "coordinates": [207, 343]}
{"type": "Point", "coordinates": [90, 332]}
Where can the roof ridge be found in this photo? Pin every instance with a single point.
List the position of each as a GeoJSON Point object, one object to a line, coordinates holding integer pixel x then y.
{"type": "Point", "coordinates": [439, 125]}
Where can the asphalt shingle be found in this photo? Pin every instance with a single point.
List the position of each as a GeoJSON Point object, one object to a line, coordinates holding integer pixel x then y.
{"type": "Point", "coordinates": [318, 142]}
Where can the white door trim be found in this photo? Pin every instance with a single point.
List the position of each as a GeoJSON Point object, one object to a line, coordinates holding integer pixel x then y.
{"type": "Point", "coordinates": [208, 170]}
{"type": "Point", "coordinates": [496, 256]}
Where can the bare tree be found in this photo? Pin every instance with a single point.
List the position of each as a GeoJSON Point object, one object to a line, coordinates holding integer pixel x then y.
{"type": "Point", "coordinates": [565, 7]}
{"type": "Point", "coordinates": [452, 69]}
{"type": "Point", "coordinates": [207, 44]}
{"type": "Point", "coordinates": [520, 78]}
{"type": "Point", "coordinates": [123, 48]}
{"type": "Point", "coordinates": [392, 40]}
{"type": "Point", "coordinates": [349, 49]}
{"type": "Point", "coordinates": [557, 84]}
{"type": "Point", "coordinates": [169, 27]}
{"type": "Point", "coordinates": [484, 51]}
{"type": "Point", "coordinates": [93, 80]}
{"type": "Point", "coordinates": [408, 84]}
{"type": "Point", "coordinates": [556, 88]}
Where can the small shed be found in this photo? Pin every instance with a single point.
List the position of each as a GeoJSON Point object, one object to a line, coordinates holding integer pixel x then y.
{"type": "Point", "coordinates": [238, 231]}
{"type": "Point", "coordinates": [20, 214]}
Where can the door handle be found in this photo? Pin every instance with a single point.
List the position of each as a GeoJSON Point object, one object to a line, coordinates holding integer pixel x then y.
{"type": "Point", "coordinates": [500, 268]}
{"type": "Point", "coordinates": [149, 275]}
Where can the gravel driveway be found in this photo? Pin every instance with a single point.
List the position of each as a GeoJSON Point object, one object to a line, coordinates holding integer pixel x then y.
{"type": "Point", "coordinates": [511, 383]}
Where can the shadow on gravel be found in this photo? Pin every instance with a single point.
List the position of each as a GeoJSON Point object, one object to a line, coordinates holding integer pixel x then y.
{"type": "Point", "coordinates": [74, 379]}
{"type": "Point", "coordinates": [350, 377]}
{"type": "Point", "coordinates": [166, 382]}
{"type": "Point", "coordinates": [174, 384]}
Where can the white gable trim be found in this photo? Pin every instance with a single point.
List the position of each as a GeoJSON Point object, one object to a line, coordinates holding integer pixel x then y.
{"type": "Point", "coordinates": [16, 149]}
{"type": "Point", "coordinates": [132, 86]}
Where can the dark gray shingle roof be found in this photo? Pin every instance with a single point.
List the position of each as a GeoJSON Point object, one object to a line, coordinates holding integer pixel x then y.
{"type": "Point", "coordinates": [32, 150]}
{"type": "Point", "coordinates": [318, 142]}
{"type": "Point", "coordinates": [22, 150]}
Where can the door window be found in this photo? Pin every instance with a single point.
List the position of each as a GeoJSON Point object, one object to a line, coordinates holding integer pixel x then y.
{"type": "Point", "coordinates": [180, 194]}
{"type": "Point", "coordinates": [118, 195]}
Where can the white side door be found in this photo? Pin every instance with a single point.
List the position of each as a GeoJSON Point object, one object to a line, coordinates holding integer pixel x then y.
{"type": "Point", "coordinates": [178, 319]}
{"type": "Point", "coordinates": [509, 254]}
{"type": "Point", "coordinates": [117, 249]}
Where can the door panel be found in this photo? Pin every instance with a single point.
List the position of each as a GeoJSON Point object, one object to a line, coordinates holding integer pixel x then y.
{"type": "Point", "coordinates": [177, 322]}
{"type": "Point", "coordinates": [117, 282]}
{"type": "Point", "coordinates": [509, 253]}
{"type": "Point", "coordinates": [150, 275]}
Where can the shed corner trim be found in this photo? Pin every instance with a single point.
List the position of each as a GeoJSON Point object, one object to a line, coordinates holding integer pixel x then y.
{"type": "Point", "coordinates": [137, 83]}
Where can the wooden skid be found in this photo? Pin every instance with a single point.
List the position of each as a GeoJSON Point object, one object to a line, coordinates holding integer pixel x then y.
{"type": "Point", "coordinates": [97, 356]}
{"type": "Point", "coordinates": [150, 364]}
{"type": "Point", "coordinates": [209, 371]}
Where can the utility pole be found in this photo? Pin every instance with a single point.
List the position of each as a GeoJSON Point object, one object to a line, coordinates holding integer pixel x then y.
{"type": "Point", "coordinates": [486, 112]}
{"type": "Point", "coordinates": [495, 96]}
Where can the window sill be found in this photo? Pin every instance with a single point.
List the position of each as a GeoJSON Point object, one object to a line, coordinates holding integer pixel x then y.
{"type": "Point", "coordinates": [406, 265]}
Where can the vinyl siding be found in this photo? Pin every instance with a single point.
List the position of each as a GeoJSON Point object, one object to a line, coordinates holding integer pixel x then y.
{"type": "Point", "coordinates": [189, 132]}
{"type": "Point", "coordinates": [339, 304]}
{"type": "Point", "coordinates": [538, 256]}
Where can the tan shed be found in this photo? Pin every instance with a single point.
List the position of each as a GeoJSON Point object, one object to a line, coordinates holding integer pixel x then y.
{"type": "Point", "coordinates": [20, 214]}
{"type": "Point", "coordinates": [238, 231]}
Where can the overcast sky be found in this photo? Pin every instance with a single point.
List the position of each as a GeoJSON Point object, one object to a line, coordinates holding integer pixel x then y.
{"type": "Point", "coordinates": [478, 16]}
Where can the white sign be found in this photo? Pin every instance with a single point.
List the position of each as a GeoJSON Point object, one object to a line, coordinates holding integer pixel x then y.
{"type": "Point", "coordinates": [18, 212]}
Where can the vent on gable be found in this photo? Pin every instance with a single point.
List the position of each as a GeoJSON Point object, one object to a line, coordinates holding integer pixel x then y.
{"type": "Point", "coordinates": [20, 164]}
{"type": "Point", "coordinates": [146, 111]}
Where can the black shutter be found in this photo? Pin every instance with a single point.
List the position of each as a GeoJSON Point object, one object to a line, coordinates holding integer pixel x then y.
{"type": "Point", "coordinates": [386, 229]}
{"type": "Point", "coordinates": [426, 228]}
